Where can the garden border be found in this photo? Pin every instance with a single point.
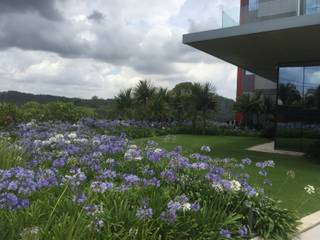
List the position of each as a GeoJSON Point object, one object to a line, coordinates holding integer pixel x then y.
{"type": "Point", "coordinates": [308, 222]}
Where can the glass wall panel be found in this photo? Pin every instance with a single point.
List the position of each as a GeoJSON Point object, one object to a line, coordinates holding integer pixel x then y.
{"type": "Point", "coordinates": [312, 6]}
{"type": "Point", "coordinates": [298, 108]}
{"type": "Point", "coordinates": [312, 88]}
{"type": "Point", "coordinates": [290, 88]}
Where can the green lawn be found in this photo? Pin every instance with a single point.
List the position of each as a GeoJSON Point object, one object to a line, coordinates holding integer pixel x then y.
{"type": "Point", "coordinates": [290, 191]}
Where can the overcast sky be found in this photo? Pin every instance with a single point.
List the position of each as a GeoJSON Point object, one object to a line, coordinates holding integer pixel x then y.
{"type": "Point", "coordinates": [82, 48]}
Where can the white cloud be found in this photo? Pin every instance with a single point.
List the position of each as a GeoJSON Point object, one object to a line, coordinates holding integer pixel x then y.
{"type": "Point", "coordinates": [131, 40]}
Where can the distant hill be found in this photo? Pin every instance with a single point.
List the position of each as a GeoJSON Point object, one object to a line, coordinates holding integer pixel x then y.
{"type": "Point", "coordinates": [103, 106]}
{"type": "Point", "coordinates": [20, 98]}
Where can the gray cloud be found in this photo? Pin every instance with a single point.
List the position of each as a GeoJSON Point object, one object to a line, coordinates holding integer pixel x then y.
{"type": "Point", "coordinates": [96, 16]}
{"type": "Point", "coordinates": [134, 42]}
{"type": "Point", "coordinates": [46, 8]}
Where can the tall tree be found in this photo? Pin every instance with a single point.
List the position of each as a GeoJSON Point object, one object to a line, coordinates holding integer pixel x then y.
{"type": "Point", "coordinates": [124, 103]}
{"type": "Point", "coordinates": [205, 100]}
{"type": "Point", "coordinates": [159, 106]}
{"type": "Point", "coordinates": [250, 105]}
{"type": "Point", "coordinates": [182, 104]}
{"type": "Point", "coordinates": [143, 93]}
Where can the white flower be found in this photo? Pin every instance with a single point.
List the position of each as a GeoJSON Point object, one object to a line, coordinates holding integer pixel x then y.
{"type": "Point", "coordinates": [59, 136]}
{"type": "Point", "coordinates": [37, 142]}
{"type": "Point", "coordinates": [45, 143]}
{"type": "Point", "coordinates": [205, 149]}
{"type": "Point", "coordinates": [133, 146]}
{"type": "Point", "coordinates": [217, 187]}
{"type": "Point", "coordinates": [72, 135]}
{"type": "Point", "coordinates": [310, 189]}
{"type": "Point", "coordinates": [186, 206]}
{"type": "Point", "coordinates": [157, 150]}
{"type": "Point", "coordinates": [96, 142]}
{"type": "Point", "coordinates": [235, 185]}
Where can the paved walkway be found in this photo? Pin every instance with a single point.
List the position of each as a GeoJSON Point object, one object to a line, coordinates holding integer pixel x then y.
{"type": "Point", "coordinates": [312, 234]}
{"type": "Point", "coordinates": [269, 148]}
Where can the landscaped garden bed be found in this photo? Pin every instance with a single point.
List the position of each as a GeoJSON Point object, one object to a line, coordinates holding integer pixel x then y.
{"type": "Point", "coordinates": [64, 181]}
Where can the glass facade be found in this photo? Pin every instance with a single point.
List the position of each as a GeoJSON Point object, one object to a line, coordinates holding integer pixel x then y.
{"type": "Point", "coordinates": [298, 107]}
{"type": "Point", "coordinates": [312, 6]}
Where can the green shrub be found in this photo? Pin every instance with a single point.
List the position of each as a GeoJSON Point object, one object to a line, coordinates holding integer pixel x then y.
{"type": "Point", "coordinates": [32, 110]}
{"type": "Point", "coordinates": [53, 111]}
{"type": "Point", "coordinates": [8, 114]}
{"type": "Point", "coordinates": [314, 150]}
{"type": "Point", "coordinates": [10, 154]}
{"type": "Point", "coordinates": [272, 221]}
{"type": "Point", "coordinates": [67, 112]}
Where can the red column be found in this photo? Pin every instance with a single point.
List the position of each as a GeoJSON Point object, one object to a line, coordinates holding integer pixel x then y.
{"type": "Point", "coordinates": [239, 115]}
{"type": "Point", "coordinates": [240, 74]}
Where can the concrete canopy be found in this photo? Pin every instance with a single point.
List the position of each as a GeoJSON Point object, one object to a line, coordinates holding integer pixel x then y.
{"type": "Point", "coordinates": [260, 47]}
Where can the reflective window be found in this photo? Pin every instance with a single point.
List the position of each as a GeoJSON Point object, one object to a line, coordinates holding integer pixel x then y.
{"type": "Point", "coordinates": [253, 5]}
{"type": "Point", "coordinates": [290, 89]}
{"type": "Point", "coordinates": [312, 87]}
{"type": "Point", "coordinates": [248, 73]}
{"type": "Point", "coordinates": [298, 110]}
{"type": "Point", "coordinates": [312, 6]}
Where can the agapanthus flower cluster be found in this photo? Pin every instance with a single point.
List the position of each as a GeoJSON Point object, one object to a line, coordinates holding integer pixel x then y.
{"type": "Point", "coordinates": [100, 187]}
{"type": "Point", "coordinates": [156, 154]}
{"type": "Point", "coordinates": [144, 213]}
{"type": "Point", "coordinates": [95, 212]}
{"type": "Point", "coordinates": [133, 153]}
{"type": "Point", "coordinates": [310, 189]}
{"type": "Point", "coordinates": [205, 149]}
{"type": "Point", "coordinates": [76, 178]}
{"type": "Point", "coordinates": [179, 203]}
{"type": "Point", "coordinates": [169, 175]}
{"type": "Point", "coordinates": [79, 198]}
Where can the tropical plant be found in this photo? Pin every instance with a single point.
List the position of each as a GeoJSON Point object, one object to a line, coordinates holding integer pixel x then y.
{"type": "Point", "coordinates": [251, 105]}
{"type": "Point", "coordinates": [124, 103]}
{"type": "Point", "coordinates": [289, 94]}
{"type": "Point", "coordinates": [158, 105]}
{"type": "Point", "coordinates": [8, 114]}
{"type": "Point", "coordinates": [143, 93]}
{"type": "Point", "coordinates": [77, 184]}
{"type": "Point", "coordinates": [181, 103]}
{"type": "Point", "coordinates": [205, 100]}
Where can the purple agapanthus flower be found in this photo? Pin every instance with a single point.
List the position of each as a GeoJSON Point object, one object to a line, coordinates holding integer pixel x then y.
{"type": "Point", "coordinates": [100, 187]}
{"type": "Point", "coordinates": [144, 213]}
{"type": "Point", "coordinates": [79, 198]}
{"type": "Point", "coordinates": [243, 231]}
{"type": "Point", "coordinates": [169, 175]}
{"type": "Point", "coordinates": [225, 233]}
{"type": "Point", "coordinates": [131, 179]}
{"type": "Point", "coordinates": [195, 206]}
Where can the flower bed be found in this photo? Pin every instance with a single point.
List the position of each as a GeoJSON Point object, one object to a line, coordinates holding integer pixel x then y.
{"type": "Point", "coordinates": [77, 184]}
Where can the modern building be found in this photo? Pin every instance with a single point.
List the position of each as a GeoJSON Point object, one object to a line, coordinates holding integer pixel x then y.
{"type": "Point", "coordinates": [276, 46]}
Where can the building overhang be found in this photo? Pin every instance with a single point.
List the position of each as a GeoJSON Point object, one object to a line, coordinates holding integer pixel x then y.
{"type": "Point", "coordinates": [260, 47]}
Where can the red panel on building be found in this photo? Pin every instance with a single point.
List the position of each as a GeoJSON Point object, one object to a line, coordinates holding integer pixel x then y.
{"type": "Point", "coordinates": [240, 74]}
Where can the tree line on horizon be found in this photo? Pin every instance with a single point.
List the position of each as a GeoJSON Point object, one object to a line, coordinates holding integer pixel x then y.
{"type": "Point", "coordinates": [194, 102]}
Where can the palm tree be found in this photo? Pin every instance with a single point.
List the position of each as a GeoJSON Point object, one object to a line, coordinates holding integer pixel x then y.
{"type": "Point", "coordinates": [159, 106]}
{"type": "Point", "coordinates": [205, 100]}
{"type": "Point", "coordinates": [181, 102]}
{"type": "Point", "coordinates": [143, 92]}
{"type": "Point", "coordinates": [250, 105]}
{"type": "Point", "coordinates": [124, 103]}
{"type": "Point", "coordinates": [289, 94]}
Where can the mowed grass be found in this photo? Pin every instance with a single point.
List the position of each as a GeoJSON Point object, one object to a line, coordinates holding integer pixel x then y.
{"type": "Point", "coordinates": [290, 191]}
